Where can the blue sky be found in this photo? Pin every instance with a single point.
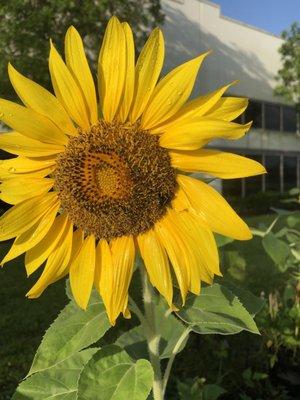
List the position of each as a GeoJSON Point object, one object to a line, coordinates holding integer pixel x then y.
{"type": "Point", "coordinates": [271, 15]}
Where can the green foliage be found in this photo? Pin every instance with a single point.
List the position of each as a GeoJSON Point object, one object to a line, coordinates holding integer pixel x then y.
{"type": "Point", "coordinates": [196, 389]}
{"type": "Point", "coordinates": [73, 330]}
{"type": "Point", "coordinates": [277, 249]}
{"type": "Point", "coordinates": [112, 375]}
{"type": "Point", "coordinates": [266, 366]}
{"type": "Point", "coordinates": [289, 75]}
{"type": "Point", "coordinates": [260, 203]}
{"type": "Point", "coordinates": [27, 26]}
{"type": "Point", "coordinates": [59, 381]}
{"type": "Point", "coordinates": [171, 329]}
{"type": "Point", "coordinates": [120, 370]}
{"type": "Point", "coordinates": [216, 310]}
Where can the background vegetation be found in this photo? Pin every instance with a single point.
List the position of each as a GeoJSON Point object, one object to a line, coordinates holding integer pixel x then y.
{"type": "Point", "coordinates": [28, 25]}
{"type": "Point", "coordinates": [289, 75]}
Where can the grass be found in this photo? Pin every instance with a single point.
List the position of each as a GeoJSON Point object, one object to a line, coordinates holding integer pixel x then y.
{"type": "Point", "coordinates": [23, 322]}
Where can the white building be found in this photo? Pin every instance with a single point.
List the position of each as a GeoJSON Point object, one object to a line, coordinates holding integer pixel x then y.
{"type": "Point", "coordinates": [249, 54]}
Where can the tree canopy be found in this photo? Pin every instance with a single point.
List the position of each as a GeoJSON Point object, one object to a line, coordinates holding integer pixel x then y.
{"type": "Point", "coordinates": [27, 26]}
{"type": "Point", "coordinates": [289, 75]}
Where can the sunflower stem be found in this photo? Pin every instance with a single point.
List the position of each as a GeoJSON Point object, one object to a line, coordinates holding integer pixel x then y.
{"type": "Point", "coordinates": [175, 350]}
{"type": "Point", "coordinates": [153, 337]}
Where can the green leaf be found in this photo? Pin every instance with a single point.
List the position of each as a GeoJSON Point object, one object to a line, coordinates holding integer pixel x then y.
{"type": "Point", "coordinates": [216, 310]}
{"type": "Point", "coordinates": [281, 212]}
{"type": "Point", "coordinates": [222, 240]}
{"type": "Point", "coordinates": [236, 263]}
{"type": "Point", "coordinates": [252, 303]}
{"type": "Point", "coordinates": [134, 342]}
{"type": "Point", "coordinates": [196, 390]}
{"type": "Point", "coordinates": [294, 191]}
{"type": "Point", "coordinates": [170, 329]}
{"type": "Point", "coordinates": [277, 249]}
{"type": "Point", "coordinates": [73, 330]}
{"type": "Point", "coordinates": [59, 382]}
{"type": "Point", "coordinates": [293, 219]}
{"type": "Point", "coordinates": [212, 392]}
{"type": "Point", "coordinates": [112, 375]}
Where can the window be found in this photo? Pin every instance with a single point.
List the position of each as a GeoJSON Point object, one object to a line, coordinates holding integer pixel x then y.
{"type": "Point", "coordinates": [254, 183]}
{"type": "Point", "coordinates": [254, 113]}
{"type": "Point", "coordinates": [290, 172]}
{"type": "Point", "coordinates": [272, 117]}
{"type": "Point", "coordinates": [289, 119]}
{"type": "Point", "coordinates": [272, 164]}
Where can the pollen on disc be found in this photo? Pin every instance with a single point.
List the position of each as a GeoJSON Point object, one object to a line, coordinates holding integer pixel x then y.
{"type": "Point", "coordinates": [114, 180]}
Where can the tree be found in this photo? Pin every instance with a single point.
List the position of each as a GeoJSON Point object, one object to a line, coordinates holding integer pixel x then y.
{"type": "Point", "coordinates": [27, 25]}
{"type": "Point", "coordinates": [289, 75]}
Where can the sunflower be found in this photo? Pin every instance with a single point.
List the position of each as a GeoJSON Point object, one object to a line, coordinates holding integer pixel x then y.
{"type": "Point", "coordinates": [94, 184]}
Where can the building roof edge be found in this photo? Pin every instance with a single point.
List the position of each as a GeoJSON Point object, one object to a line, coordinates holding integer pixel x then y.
{"type": "Point", "coordinates": [245, 24]}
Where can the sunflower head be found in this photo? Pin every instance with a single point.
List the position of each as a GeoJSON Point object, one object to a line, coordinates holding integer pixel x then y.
{"type": "Point", "coordinates": [115, 180]}
{"type": "Point", "coordinates": [102, 175]}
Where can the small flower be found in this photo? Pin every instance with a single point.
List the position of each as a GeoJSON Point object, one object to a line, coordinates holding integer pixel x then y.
{"type": "Point", "coordinates": [92, 185]}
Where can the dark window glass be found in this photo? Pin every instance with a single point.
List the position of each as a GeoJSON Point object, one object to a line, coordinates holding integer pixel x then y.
{"type": "Point", "coordinates": [289, 119]}
{"type": "Point", "coordinates": [272, 164]}
{"type": "Point", "coordinates": [254, 183]}
{"type": "Point", "coordinates": [254, 113]}
{"type": "Point", "coordinates": [272, 117]}
{"type": "Point", "coordinates": [290, 172]}
{"type": "Point", "coordinates": [232, 187]}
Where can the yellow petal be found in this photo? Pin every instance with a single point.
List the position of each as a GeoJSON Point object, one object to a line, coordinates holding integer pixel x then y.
{"type": "Point", "coordinates": [64, 248]}
{"type": "Point", "coordinates": [15, 143]}
{"type": "Point", "coordinates": [14, 191]}
{"type": "Point", "coordinates": [214, 209]}
{"type": "Point", "coordinates": [112, 68]}
{"type": "Point", "coordinates": [77, 63]}
{"type": "Point", "coordinates": [34, 235]}
{"type": "Point", "coordinates": [203, 245]}
{"type": "Point", "coordinates": [30, 123]}
{"type": "Point", "coordinates": [170, 236]}
{"type": "Point", "coordinates": [40, 100]}
{"type": "Point", "coordinates": [78, 237]}
{"type": "Point", "coordinates": [156, 263]}
{"type": "Point", "coordinates": [103, 279]}
{"type": "Point", "coordinates": [15, 167]}
{"type": "Point", "coordinates": [194, 108]}
{"type": "Point", "coordinates": [129, 81]}
{"type": "Point", "coordinates": [216, 163]}
{"type": "Point", "coordinates": [197, 133]}
{"type": "Point", "coordinates": [171, 93]}
{"type": "Point", "coordinates": [147, 71]}
{"type": "Point", "coordinates": [35, 256]}
{"type": "Point", "coordinates": [57, 260]}
{"type": "Point", "coordinates": [116, 267]}
{"type": "Point", "coordinates": [82, 272]}
{"type": "Point", "coordinates": [66, 90]}
{"type": "Point", "coordinates": [123, 254]}
{"type": "Point", "coordinates": [192, 259]}
{"type": "Point", "coordinates": [77, 241]}
{"type": "Point", "coordinates": [228, 108]}
{"type": "Point", "coordinates": [23, 216]}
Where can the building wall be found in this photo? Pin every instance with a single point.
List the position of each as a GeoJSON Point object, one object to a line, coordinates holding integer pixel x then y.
{"type": "Point", "coordinates": [239, 51]}
{"type": "Point", "coordinates": [242, 52]}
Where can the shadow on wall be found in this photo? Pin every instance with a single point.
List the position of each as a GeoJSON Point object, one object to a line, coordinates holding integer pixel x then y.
{"type": "Point", "coordinates": [185, 39]}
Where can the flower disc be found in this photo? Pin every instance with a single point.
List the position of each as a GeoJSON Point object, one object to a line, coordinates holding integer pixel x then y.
{"type": "Point", "coordinates": [115, 180]}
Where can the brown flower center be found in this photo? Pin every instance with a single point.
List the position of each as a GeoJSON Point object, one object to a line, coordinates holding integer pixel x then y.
{"type": "Point", "coordinates": [114, 180]}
